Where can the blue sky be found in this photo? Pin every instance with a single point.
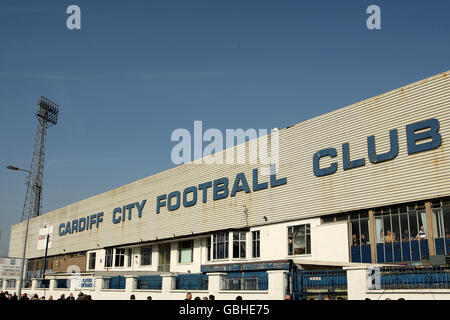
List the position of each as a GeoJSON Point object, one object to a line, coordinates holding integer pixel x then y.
{"type": "Point", "coordinates": [137, 70]}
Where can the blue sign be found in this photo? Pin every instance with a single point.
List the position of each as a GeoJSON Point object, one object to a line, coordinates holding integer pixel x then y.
{"type": "Point", "coordinates": [416, 132]}
{"type": "Point", "coordinates": [220, 190]}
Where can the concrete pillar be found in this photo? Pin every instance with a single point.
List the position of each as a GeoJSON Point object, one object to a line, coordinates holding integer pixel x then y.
{"type": "Point", "coordinates": [277, 284]}
{"type": "Point", "coordinates": [130, 283]}
{"type": "Point", "coordinates": [373, 237]}
{"type": "Point", "coordinates": [215, 282]}
{"type": "Point", "coordinates": [168, 283]}
{"type": "Point", "coordinates": [34, 283]}
{"type": "Point", "coordinates": [98, 284]}
{"type": "Point", "coordinates": [429, 231]}
{"type": "Point", "coordinates": [73, 283]}
{"type": "Point", "coordinates": [356, 282]}
{"type": "Point", "coordinates": [52, 284]}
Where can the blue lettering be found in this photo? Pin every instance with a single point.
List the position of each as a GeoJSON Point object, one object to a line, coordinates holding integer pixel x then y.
{"type": "Point", "coordinates": [114, 219]}
{"type": "Point", "coordinates": [93, 218]}
{"type": "Point", "coordinates": [432, 133]}
{"type": "Point", "coordinates": [160, 203]}
{"type": "Point", "coordinates": [82, 221]}
{"type": "Point", "coordinates": [236, 187]}
{"type": "Point", "coordinates": [61, 229]}
{"type": "Point", "coordinates": [220, 185]}
{"type": "Point", "coordinates": [347, 163]}
{"type": "Point", "coordinates": [129, 208]}
{"type": "Point", "coordinates": [391, 154]}
{"type": "Point", "coordinates": [191, 203]}
{"type": "Point", "coordinates": [319, 172]}
{"type": "Point", "coordinates": [99, 218]}
{"type": "Point", "coordinates": [204, 187]}
{"type": "Point", "coordinates": [274, 182]}
{"type": "Point", "coordinates": [75, 226]}
{"type": "Point", "coordinates": [258, 186]}
{"type": "Point", "coordinates": [176, 195]}
{"type": "Point", "coordinates": [68, 230]}
{"type": "Point", "coordinates": [140, 207]}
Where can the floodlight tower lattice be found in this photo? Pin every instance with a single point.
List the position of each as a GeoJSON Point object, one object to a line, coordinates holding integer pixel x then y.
{"type": "Point", "coordinates": [47, 115]}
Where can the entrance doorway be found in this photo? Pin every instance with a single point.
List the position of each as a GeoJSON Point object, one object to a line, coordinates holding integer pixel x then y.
{"type": "Point", "coordinates": [164, 257]}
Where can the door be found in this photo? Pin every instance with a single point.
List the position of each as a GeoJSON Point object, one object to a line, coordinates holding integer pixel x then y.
{"type": "Point", "coordinates": [164, 257]}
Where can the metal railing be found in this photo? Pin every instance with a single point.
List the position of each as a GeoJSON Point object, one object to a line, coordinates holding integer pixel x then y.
{"type": "Point", "coordinates": [117, 283]}
{"type": "Point", "coordinates": [245, 281]}
{"type": "Point", "coordinates": [321, 282]}
{"type": "Point", "coordinates": [43, 284]}
{"type": "Point", "coordinates": [194, 281]}
{"type": "Point", "coordinates": [153, 282]}
{"type": "Point", "coordinates": [429, 277]}
{"type": "Point", "coordinates": [62, 283]}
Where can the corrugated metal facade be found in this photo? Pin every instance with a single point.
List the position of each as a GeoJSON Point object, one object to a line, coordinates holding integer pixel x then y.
{"type": "Point", "coordinates": [406, 178]}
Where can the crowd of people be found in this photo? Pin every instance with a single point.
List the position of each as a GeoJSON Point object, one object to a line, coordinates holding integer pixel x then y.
{"type": "Point", "coordinates": [5, 296]}
{"type": "Point", "coordinates": [390, 236]}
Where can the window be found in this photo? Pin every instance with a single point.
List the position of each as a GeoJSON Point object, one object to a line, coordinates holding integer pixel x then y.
{"type": "Point", "coordinates": [209, 249]}
{"type": "Point", "coordinates": [220, 246]}
{"type": "Point", "coordinates": [10, 283]}
{"type": "Point", "coordinates": [130, 257]}
{"type": "Point", "coordinates": [120, 258]}
{"type": "Point", "coordinates": [299, 239]}
{"type": "Point", "coordinates": [185, 251]}
{"type": "Point", "coordinates": [441, 225]}
{"type": "Point", "coordinates": [92, 261]}
{"type": "Point", "coordinates": [108, 258]}
{"type": "Point", "coordinates": [146, 256]}
{"type": "Point", "coordinates": [239, 245]}
{"type": "Point", "coordinates": [256, 244]}
{"type": "Point", "coordinates": [164, 257]}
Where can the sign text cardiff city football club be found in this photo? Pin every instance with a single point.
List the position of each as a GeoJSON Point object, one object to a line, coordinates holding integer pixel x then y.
{"type": "Point", "coordinates": [420, 136]}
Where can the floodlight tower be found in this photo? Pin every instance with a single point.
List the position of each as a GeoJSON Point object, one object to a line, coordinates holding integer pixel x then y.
{"type": "Point", "coordinates": [47, 115]}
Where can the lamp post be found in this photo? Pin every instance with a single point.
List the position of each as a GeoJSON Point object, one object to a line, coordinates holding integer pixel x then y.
{"type": "Point", "coordinates": [19, 290]}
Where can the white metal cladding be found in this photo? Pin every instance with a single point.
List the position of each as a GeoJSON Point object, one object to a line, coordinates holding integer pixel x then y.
{"type": "Point", "coordinates": [406, 178]}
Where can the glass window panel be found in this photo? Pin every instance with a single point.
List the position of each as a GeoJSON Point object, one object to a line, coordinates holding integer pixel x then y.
{"type": "Point", "coordinates": [341, 217]}
{"type": "Point", "coordinates": [387, 229]}
{"type": "Point", "coordinates": [365, 235]}
{"type": "Point", "coordinates": [446, 216]}
{"type": "Point", "coordinates": [308, 244]}
{"type": "Point", "coordinates": [395, 227]}
{"type": "Point", "coordinates": [379, 232]}
{"type": "Point", "coordinates": [364, 214]}
{"type": "Point", "coordinates": [242, 249]}
{"type": "Point", "coordinates": [355, 233]}
{"type": "Point", "coordinates": [354, 216]}
{"type": "Point", "coordinates": [405, 235]}
{"type": "Point", "coordinates": [438, 226]}
{"type": "Point", "coordinates": [412, 224]}
{"type": "Point", "coordinates": [327, 219]}
{"type": "Point", "coordinates": [185, 251]}
{"type": "Point", "coordinates": [146, 256]}
{"type": "Point", "coordinates": [422, 234]}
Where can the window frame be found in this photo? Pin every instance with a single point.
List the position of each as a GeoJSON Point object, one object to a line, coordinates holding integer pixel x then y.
{"type": "Point", "coordinates": [109, 257]}
{"type": "Point", "coordinates": [224, 246]}
{"type": "Point", "coordinates": [119, 253]}
{"type": "Point", "coordinates": [92, 254]}
{"type": "Point", "coordinates": [181, 248]}
{"type": "Point", "coordinates": [256, 244]}
{"type": "Point", "coordinates": [143, 248]}
{"type": "Point", "coordinates": [241, 251]}
{"type": "Point", "coordinates": [291, 242]}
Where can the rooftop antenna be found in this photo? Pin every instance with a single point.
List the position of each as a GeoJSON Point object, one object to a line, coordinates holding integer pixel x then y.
{"type": "Point", "coordinates": [47, 116]}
